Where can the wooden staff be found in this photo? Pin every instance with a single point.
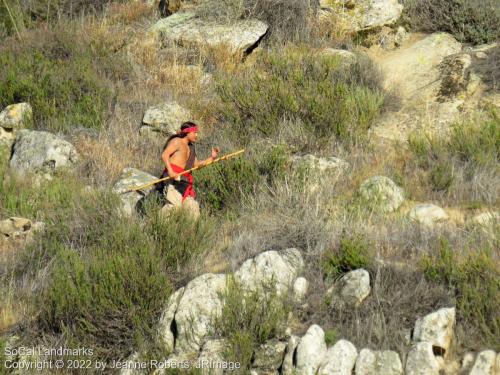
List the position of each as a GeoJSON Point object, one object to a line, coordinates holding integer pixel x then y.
{"type": "Point", "coordinates": [222, 158]}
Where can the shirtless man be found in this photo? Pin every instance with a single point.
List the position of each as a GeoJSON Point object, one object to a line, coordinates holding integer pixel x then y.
{"type": "Point", "coordinates": [178, 156]}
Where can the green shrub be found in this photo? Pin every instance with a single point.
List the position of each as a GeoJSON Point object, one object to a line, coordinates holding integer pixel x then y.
{"type": "Point", "coordinates": [328, 97]}
{"type": "Point", "coordinates": [63, 75]}
{"type": "Point", "coordinates": [475, 280]}
{"type": "Point", "coordinates": [331, 337]}
{"type": "Point", "coordinates": [352, 253]}
{"type": "Point", "coordinates": [249, 319]}
{"type": "Point", "coordinates": [475, 21]}
{"type": "Point", "coordinates": [469, 148]}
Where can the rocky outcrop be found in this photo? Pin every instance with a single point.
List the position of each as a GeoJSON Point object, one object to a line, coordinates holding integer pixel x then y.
{"type": "Point", "coordinates": [18, 229]}
{"type": "Point", "coordinates": [186, 29]}
{"type": "Point", "coordinates": [428, 214]}
{"type": "Point", "coordinates": [384, 362]}
{"type": "Point", "coordinates": [129, 179]}
{"type": "Point", "coordinates": [354, 287]}
{"type": "Point", "coordinates": [381, 193]}
{"type": "Point", "coordinates": [276, 268]}
{"type": "Point", "coordinates": [17, 116]}
{"type": "Point", "coordinates": [166, 118]}
{"type": "Point", "coordinates": [421, 360]}
{"type": "Point", "coordinates": [339, 359]}
{"type": "Point", "coordinates": [310, 351]}
{"type": "Point", "coordinates": [41, 153]}
{"type": "Point", "coordinates": [437, 329]}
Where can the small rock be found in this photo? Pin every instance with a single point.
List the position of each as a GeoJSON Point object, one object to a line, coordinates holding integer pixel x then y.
{"type": "Point", "coordinates": [17, 116]}
{"type": "Point", "coordinates": [421, 360]}
{"type": "Point", "coordinates": [300, 289]}
{"type": "Point", "coordinates": [339, 359]}
{"type": "Point", "coordinates": [436, 328]}
{"type": "Point", "coordinates": [484, 364]}
{"type": "Point", "coordinates": [376, 13]}
{"type": "Point", "coordinates": [355, 287]}
{"type": "Point", "coordinates": [129, 179]}
{"type": "Point", "coordinates": [384, 362]}
{"type": "Point", "coordinates": [41, 152]}
{"type": "Point", "coordinates": [401, 36]}
{"type": "Point", "coordinates": [428, 214]}
{"type": "Point", "coordinates": [288, 368]}
{"type": "Point", "coordinates": [346, 57]}
{"type": "Point", "coordinates": [166, 118]}
{"type": "Point", "coordinates": [486, 218]}
{"type": "Point", "coordinates": [382, 193]}
{"type": "Point", "coordinates": [310, 351]}
{"type": "Point", "coordinates": [481, 55]}
{"type": "Point", "coordinates": [269, 356]}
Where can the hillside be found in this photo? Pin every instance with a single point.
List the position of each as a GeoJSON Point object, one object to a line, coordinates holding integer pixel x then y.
{"type": "Point", "coordinates": [356, 234]}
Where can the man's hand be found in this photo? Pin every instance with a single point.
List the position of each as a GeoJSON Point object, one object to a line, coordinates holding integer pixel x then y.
{"type": "Point", "coordinates": [215, 152]}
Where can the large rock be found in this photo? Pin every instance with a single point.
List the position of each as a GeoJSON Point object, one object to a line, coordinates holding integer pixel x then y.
{"type": "Point", "coordinates": [269, 356]}
{"type": "Point", "coordinates": [41, 152]}
{"type": "Point", "coordinates": [271, 268]}
{"type": "Point", "coordinates": [288, 367]}
{"type": "Point", "coordinates": [339, 359]}
{"type": "Point", "coordinates": [436, 328]}
{"type": "Point", "coordinates": [166, 327]}
{"type": "Point", "coordinates": [16, 116]}
{"type": "Point", "coordinates": [354, 287]}
{"type": "Point", "coordinates": [384, 362]}
{"type": "Point", "coordinates": [186, 28]}
{"type": "Point", "coordinates": [199, 305]}
{"type": "Point", "coordinates": [428, 214]}
{"type": "Point", "coordinates": [380, 192]}
{"type": "Point", "coordinates": [129, 179]}
{"type": "Point", "coordinates": [421, 360]}
{"type": "Point", "coordinates": [484, 364]}
{"type": "Point", "coordinates": [310, 351]}
{"type": "Point", "coordinates": [165, 118]}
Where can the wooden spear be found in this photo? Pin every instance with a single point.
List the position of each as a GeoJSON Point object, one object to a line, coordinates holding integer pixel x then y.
{"type": "Point", "coordinates": [222, 158]}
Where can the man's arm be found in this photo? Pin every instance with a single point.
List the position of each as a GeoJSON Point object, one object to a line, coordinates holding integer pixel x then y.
{"type": "Point", "coordinates": [215, 152]}
{"type": "Point", "coordinates": [171, 148]}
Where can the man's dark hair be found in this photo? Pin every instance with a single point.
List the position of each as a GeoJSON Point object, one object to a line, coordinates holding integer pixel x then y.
{"type": "Point", "coordinates": [180, 134]}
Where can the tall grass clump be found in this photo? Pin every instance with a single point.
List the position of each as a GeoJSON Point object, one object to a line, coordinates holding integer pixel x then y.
{"type": "Point", "coordinates": [64, 74]}
{"type": "Point", "coordinates": [249, 319]}
{"type": "Point", "coordinates": [475, 280]}
{"type": "Point", "coordinates": [328, 96]}
{"type": "Point", "coordinates": [466, 157]}
{"type": "Point", "coordinates": [474, 21]}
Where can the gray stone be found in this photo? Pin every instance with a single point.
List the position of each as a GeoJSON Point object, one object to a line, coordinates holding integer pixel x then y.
{"type": "Point", "coordinates": [376, 13]}
{"type": "Point", "coordinates": [166, 118]}
{"type": "Point", "coordinates": [199, 305]}
{"type": "Point", "coordinates": [129, 179]}
{"type": "Point", "coordinates": [428, 214]}
{"type": "Point", "coordinates": [186, 28]}
{"type": "Point", "coordinates": [271, 268]}
{"type": "Point", "coordinates": [166, 337]}
{"type": "Point", "coordinates": [269, 356]}
{"type": "Point", "coordinates": [310, 351]}
{"type": "Point", "coordinates": [339, 359]}
{"type": "Point", "coordinates": [16, 116]}
{"type": "Point", "coordinates": [382, 193]}
{"type": "Point", "coordinates": [384, 362]}
{"type": "Point", "coordinates": [41, 152]}
{"type": "Point", "coordinates": [484, 364]}
{"type": "Point", "coordinates": [354, 287]}
{"type": "Point", "coordinates": [421, 360]}
{"type": "Point", "coordinates": [436, 328]}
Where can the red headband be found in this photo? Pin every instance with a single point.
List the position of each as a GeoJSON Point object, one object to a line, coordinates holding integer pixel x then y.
{"type": "Point", "coordinates": [190, 130]}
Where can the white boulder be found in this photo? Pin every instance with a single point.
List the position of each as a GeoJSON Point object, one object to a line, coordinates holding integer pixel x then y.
{"type": "Point", "coordinates": [382, 193]}
{"type": "Point", "coordinates": [310, 351]}
{"type": "Point", "coordinates": [428, 214]}
{"type": "Point", "coordinates": [421, 360]}
{"type": "Point", "coordinates": [132, 178]}
{"type": "Point", "coordinates": [354, 286]}
{"type": "Point", "coordinates": [339, 359]}
{"type": "Point", "coordinates": [436, 328]}
{"type": "Point", "coordinates": [165, 118]}
{"type": "Point", "coordinates": [16, 116]}
{"type": "Point", "coordinates": [484, 364]}
{"type": "Point", "coordinates": [384, 362]}
{"type": "Point", "coordinates": [166, 337]}
{"type": "Point", "coordinates": [300, 289]}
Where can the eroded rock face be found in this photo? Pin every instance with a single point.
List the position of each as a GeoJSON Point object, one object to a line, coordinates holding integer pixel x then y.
{"type": "Point", "coordinates": [16, 116]}
{"type": "Point", "coordinates": [166, 118]}
{"type": "Point", "coordinates": [436, 328]}
{"type": "Point", "coordinates": [311, 351]}
{"type": "Point", "coordinates": [199, 305]}
{"type": "Point", "coordinates": [381, 193]}
{"type": "Point", "coordinates": [41, 152]}
{"type": "Point", "coordinates": [428, 214]}
{"type": "Point", "coordinates": [354, 287]}
{"type": "Point", "coordinates": [339, 359]}
{"type": "Point", "coordinates": [421, 360]}
{"type": "Point", "coordinates": [186, 28]}
{"type": "Point", "coordinates": [129, 179]}
{"type": "Point", "coordinates": [384, 362]}
{"type": "Point", "coordinates": [484, 364]}
{"type": "Point", "coordinates": [271, 267]}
